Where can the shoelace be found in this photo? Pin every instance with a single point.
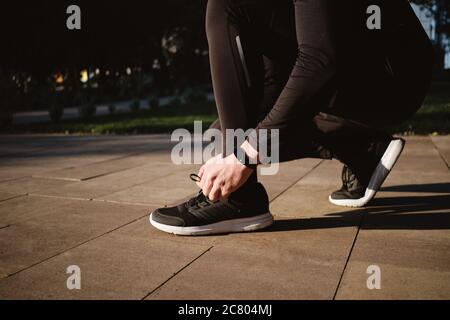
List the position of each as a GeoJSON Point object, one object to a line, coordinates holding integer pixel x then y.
{"type": "Point", "coordinates": [348, 178]}
{"type": "Point", "coordinates": [199, 201]}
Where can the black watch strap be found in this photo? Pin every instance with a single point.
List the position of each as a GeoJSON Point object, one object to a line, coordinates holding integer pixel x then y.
{"type": "Point", "coordinates": [244, 159]}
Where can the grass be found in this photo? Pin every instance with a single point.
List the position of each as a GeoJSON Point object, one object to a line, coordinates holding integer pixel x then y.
{"type": "Point", "coordinates": [161, 120]}
{"type": "Point", "coordinates": [432, 118]}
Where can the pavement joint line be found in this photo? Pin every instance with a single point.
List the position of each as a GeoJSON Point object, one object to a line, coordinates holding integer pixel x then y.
{"type": "Point", "coordinates": [132, 186]}
{"type": "Point", "coordinates": [92, 199]}
{"type": "Point", "coordinates": [56, 178]}
{"type": "Point", "coordinates": [58, 197]}
{"type": "Point", "coordinates": [15, 197]}
{"type": "Point", "coordinates": [103, 174]}
{"type": "Point", "coordinates": [99, 162]}
{"type": "Point", "coordinates": [129, 203]}
{"type": "Point", "coordinates": [93, 177]}
{"type": "Point", "coordinates": [296, 181]}
{"type": "Point", "coordinates": [349, 254]}
{"type": "Point", "coordinates": [16, 178]}
{"type": "Point", "coordinates": [73, 247]}
{"type": "Point", "coordinates": [440, 154]}
{"type": "Point", "coordinates": [175, 274]}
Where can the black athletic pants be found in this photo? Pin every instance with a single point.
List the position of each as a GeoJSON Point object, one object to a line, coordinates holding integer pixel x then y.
{"type": "Point", "coordinates": [313, 70]}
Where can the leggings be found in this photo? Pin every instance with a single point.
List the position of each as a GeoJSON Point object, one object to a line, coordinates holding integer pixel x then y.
{"type": "Point", "coordinates": [314, 71]}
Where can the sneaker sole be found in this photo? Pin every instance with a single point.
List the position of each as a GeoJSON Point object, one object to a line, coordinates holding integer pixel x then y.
{"type": "Point", "coordinates": [228, 226]}
{"type": "Point", "coordinates": [385, 166]}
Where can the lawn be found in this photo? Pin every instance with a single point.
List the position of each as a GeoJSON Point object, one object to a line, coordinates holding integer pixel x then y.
{"type": "Point", "coordinates": [432, 118]}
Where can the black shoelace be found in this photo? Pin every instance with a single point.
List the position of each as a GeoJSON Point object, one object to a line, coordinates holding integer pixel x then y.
{"type": "Point", "coordinates": [349, 179]}
{"type": "Point", "coordinates": [200, 200]}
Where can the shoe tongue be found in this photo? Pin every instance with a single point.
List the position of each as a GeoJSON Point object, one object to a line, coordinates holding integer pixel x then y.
{"type": "Point", "coordinates": [348, 178]}
{"type": "Point", "coordinates": [195, 201]}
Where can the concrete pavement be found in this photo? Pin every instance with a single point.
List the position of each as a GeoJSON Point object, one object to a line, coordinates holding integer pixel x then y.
{"type": "Point", "coordinates": [84, 201]}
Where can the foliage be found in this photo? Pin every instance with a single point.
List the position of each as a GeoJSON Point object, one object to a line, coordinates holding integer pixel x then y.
{"type": "Point", "coordinates": [193, 95]}
{"type": "Point", "coordinates": [56, 109]}
{"type": "Point", "coordinates": [153, 103]}
{"type": "Point", "coordinates": [433, 117]}
{"type": "Point", "coordinates": [135, 105]}
{"type": "Point", "coordinates": [111, 108]}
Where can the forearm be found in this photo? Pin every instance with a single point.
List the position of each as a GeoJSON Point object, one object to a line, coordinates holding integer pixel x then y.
{"type": "Point", "coordinates": [314, 67]}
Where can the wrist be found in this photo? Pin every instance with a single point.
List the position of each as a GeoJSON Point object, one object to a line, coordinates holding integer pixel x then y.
{"type": "Point", "coordinates": [246, 156]}
{"type": "Point", "coordinates": [251, 152]}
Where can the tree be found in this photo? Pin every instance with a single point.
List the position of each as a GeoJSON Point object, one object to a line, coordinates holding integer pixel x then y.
{"type": "Point", "coordinates": [439, 11]}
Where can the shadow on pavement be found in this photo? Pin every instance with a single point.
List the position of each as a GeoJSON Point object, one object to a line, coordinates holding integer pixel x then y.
{"type": "Point", "coordinates": [432, 188]}
{"type": "Point", "coordinates": [401, 213]}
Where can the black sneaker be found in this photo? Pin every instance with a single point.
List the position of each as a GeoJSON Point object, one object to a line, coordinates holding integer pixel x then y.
{"type": "Point", "coordinates": [361, 182]}
{"type": "Point", "coordinates": [201, 216]}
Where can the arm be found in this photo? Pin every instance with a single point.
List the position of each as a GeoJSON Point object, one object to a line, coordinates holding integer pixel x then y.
{"type": "Point", "coordinates": [313, 69]}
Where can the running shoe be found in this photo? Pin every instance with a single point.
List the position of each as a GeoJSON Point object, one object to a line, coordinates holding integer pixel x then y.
{"type": "Point", "coordinates": [201, 216]}
{"type": "Point", "coordinates": [361, 182]}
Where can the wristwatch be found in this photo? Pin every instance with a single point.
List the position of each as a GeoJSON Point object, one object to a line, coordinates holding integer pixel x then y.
{"type": "Point", "coordinates": [244, 159]}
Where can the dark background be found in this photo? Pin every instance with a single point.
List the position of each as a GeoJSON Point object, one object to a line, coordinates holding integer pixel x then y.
{"type": "Point", "coordinates": [115, 35]}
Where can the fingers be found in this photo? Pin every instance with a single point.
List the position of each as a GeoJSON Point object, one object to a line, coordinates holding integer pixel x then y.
{"type": "Point", "coordinates": [201, 171]}
{"type": "Point", "coordinates": [207, 185]}
{"type": "Point", "coordinates": [215, 193]}
{"type": "Point", "coordinates": [200, 174]}
{"type": "Point", "coordinates": [225, 192]}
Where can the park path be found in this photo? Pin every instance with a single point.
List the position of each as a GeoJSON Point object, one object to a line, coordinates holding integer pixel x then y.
{"type": "Point", "coordinates": [85, 200]}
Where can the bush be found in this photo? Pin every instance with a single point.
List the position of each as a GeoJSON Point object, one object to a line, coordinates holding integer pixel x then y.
{"type": "Point", "coordinates": [153, 103]}
{"type": "Point", "coordinates": [194, 96]}
{"type": "Point", "coordinates": [135, 105]}
{"type": "Point", "coordinates": [87, 110]}
{"type": "Point", "coordinates": [111, 108]}
{"type": "Point", "coordinates": [56, 110]}
{"type": "Point", "coordinates": [6, 116]}
{"type": "Point", "coordinates": [176, 102]}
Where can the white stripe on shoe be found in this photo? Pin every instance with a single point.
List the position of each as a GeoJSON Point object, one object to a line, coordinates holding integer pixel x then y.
{"type": "Point", "coordinates": [227, 226]}
{"type": "Point", "coordinates": [382, 170]}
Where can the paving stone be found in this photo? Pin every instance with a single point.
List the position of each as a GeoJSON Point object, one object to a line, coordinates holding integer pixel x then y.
{"type": "Point", "coordinates": [29, 185]}
{"type": "Point", "coordinates": [5, 195]}
{"type": "Point", "coordinates": [301, 259]}
{"type": "Point", "coordinates": [442, 143]}
{"type": "Point", "coordinates": [25, 207]}
{"type": "Point", "coordinates": [421, 155]}
{"type": "Point", "coordinates": [97, 169]}
{"type": "Point", "coordinates": [53, 227]}
{"type": "Point", "coordinates": [407, 236]}
{"type": "Point", "coordinates": [405, 230]}
{"type": "Point", "coordinates": [115, 266]}
{"type": "Point", "coordinates": [309, 196]}
{"type": "Point", "coordinates": [114, 182]}
{"type": "Point", "coordinates": [160, 191]}
{"type": "Point", "coordinates": [289, 173]}
{"type": "Point", "coordinates": [414, 264]}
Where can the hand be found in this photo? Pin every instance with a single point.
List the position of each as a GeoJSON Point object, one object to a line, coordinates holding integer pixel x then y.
{"type": "Point", "coordinates": [221, 176]}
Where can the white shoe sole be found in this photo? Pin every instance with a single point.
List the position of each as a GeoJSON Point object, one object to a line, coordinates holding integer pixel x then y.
{"type": "Point", "coordinates": [227, 226]}
{"type": "Point", "coordinates": [385, 166]}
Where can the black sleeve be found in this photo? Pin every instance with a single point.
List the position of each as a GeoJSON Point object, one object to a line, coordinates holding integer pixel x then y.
{"type": "Point", "coordinates": [313, 69]}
